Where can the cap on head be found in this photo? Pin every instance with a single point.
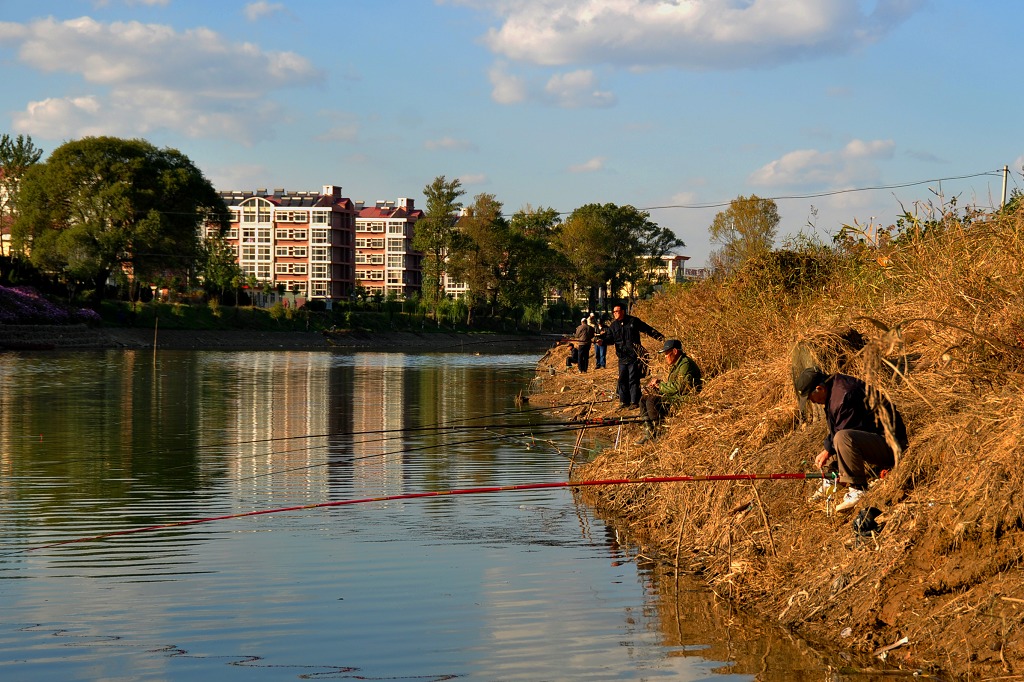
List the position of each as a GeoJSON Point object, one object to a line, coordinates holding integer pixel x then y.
{"type": "Point", "coordinates": [671, 344]}
{"type": "Point", "coordinates": [583, 321]}
{"type": "Point", "coordinates": [808, 380]}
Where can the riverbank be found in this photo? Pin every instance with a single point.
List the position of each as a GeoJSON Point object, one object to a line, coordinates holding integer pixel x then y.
{"type": "Point", "coordinates": [81, 337]}
{"type": "Point", "coordinates": [933, 323]}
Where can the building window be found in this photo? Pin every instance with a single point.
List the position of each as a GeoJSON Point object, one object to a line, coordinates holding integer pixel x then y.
{"type": "Point", "coordinates": [321, 253]}
{"type": "Point", "coordinates": [290, 233]}
{"type": "Point", "coordinates": [396, 261]}
{"type": "Point", "coordinates": [396, 228]}
{"type": "Point", "coordinates": [371, 226]}
{"type": "Point", "coordinates": [394, 277]}
{"type": "Point", "coordinates": [321, 217]}
{"type": "Point", "coordinates": [321, 237]}
{"type": "Point", "coordinates": [377, 243]}
{"type": "Point", "coordinates": [232, 233]}
{"type": "Point", "coordinates": [290, 268]}
{"type": "Point", "coordinates": [319, 271]}
{"type": "Point", "coordinates": [396, 245]}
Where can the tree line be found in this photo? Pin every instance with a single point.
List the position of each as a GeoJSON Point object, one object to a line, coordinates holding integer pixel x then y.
{"type": "Point", "coordinates": [104, 207]}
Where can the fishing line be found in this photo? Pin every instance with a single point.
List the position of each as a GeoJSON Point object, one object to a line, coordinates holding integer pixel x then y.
{"type": "Point", "coordinates": [788, 476]}
{"type": "Point", "coordinates": [568, 426]}
{"type": "Point", "coordinates": [200, 449]}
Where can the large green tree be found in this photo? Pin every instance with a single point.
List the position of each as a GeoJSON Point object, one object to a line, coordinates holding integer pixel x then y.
{"type": "Point", "coordinates": [745, 229]}
{"type": "Point", "coordinates": [479, 252]}
{"type": "Point", "coordinates": [532, 264]}
{"type": "Point", "coordinates": [218, 266]}
{"type": "Point", "coordinates": [434, 233]}
{"type": "Point", "coordinates": [100, 204]}
{"type": "Point", "coordinates": [605, 245]}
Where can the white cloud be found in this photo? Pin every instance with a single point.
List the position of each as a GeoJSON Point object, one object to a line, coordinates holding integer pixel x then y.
{"type": "Point", "coordinates": [577, 89]}
{"type": "Point", "coordinates": [853, 164]}
{"type": "Point", "coordinates": [255, 11]}
{"type": "Point", "coordinates": [474, 179]}
{"type": "Point", "coordinates": [149, 76]}
{"type": "Point", "coordinates": [593, 165]}
{"type": "Point", "coordinates": [571, 90]}
{"type": "Point", "coordinates": [506, 88]}
{"type": "Point", "coordinates": [696, 34]}
{"type": "Point", "coordinates": [449, 143]}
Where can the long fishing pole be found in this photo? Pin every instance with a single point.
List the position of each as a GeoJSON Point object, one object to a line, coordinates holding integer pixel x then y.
{"type": "Point", "coordinates": [787, 476]}
{"type": "Point", "coordinates": [554, 428]}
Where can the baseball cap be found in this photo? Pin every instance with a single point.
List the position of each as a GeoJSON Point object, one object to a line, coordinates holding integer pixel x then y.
{"type": "Point", "coordinates": [670, 344]}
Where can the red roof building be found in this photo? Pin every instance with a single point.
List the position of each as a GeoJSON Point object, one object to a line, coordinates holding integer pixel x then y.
{"type": "Point", "coordinates": [301, 241]}
{"type": "Point", "coordinates": [385, 260]}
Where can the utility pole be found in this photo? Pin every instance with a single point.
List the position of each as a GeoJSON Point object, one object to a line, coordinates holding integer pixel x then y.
{"type": "Point", "coordinates": [1006, 172]}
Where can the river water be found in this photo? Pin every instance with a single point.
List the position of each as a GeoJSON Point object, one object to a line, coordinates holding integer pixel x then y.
{"type": "Point", "coordinates": [525, 585]}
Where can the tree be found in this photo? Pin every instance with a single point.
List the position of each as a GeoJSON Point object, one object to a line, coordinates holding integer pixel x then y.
{"type": "Point", "coordinates": [479, 252]}
{"type": "Point", "coordinates": [101, 204]}
{"type": "Point", "coordinates": [745, 229]}
{"type": "Point", "coordinates": [532, 262]}
{"type": "Point", "coordinates": [218, 266]}
{"type": "Point", "coordinates": [606, 245]}
{"type": "Point", "coordinates": [434, 234]}
{"type": "Point", "coordinates": [17, 155]}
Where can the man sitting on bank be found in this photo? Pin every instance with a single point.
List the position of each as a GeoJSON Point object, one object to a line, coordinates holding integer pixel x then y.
{"type": "Point", "coordinates": [683, 379]}
{"type": "Point", "coordinates": [856, 435]}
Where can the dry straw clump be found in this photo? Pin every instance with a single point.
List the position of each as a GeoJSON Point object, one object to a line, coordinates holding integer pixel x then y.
{"type": "Point", "coordinates": [933, 321]}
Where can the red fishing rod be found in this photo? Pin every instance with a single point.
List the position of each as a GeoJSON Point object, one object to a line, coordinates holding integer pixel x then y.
{"type": "Point", "coordinates": [797, 476]}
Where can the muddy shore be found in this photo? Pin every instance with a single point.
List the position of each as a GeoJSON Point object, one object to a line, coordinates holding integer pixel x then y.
{"type": "Point", "coordinates": [54, 337]}
{"type": "Point", "coordinates": [900, 601]}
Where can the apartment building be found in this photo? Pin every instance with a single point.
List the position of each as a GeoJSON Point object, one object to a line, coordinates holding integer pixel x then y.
{"type": "Point", "coordinates": [301, 241]}
{"type": "Point", "coordinates": [385, 260]}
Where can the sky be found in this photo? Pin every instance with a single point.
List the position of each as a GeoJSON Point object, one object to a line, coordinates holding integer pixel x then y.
{"type": "Point", "coordinates": [846, 112]}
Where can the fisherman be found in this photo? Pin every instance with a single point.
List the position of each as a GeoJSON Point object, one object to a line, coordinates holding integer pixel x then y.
{"type": "Point", "coordinates": [683, 379]}
{"type": "Point", "coordinates": [600, 350]}
{"type": "Point", "coordinates": [583, 337]}
{"type": "Point", "coordinates": [856, 432]}
{"type": "Point", "coordinates": [625, 332]}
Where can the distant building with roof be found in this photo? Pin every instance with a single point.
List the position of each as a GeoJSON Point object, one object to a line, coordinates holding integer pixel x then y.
{"type": "Point", "coordinates": [385, 260]}
{"type": "Point", "coordinates": [301, 242]}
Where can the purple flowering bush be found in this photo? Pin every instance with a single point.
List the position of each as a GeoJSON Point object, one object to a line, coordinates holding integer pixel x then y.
{"type": "Point", "coordinates": [25, 305]}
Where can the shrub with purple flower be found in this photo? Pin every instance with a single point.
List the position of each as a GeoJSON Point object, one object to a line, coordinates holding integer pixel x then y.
{"type": "Point", "coordinates": [25, 305]}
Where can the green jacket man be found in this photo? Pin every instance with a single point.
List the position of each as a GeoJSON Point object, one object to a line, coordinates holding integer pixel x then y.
{"type": "Point", "coordinates": [684, 379]}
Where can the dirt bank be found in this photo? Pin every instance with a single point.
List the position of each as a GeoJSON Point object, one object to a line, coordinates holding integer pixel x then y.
{"type": "Point", "coordinates": [942, 579]}
{"type": "Point", "coordinates": [43, 337]}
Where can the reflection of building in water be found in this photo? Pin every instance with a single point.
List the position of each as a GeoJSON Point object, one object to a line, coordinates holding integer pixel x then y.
{"type": "Point", "coordinates": [286, 411]}
{"type": "Point", "coordinates": [379, 408]}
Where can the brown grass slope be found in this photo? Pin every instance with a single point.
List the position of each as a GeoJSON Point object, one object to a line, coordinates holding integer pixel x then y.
{"type": "Point", "coordinates": [940, 318]}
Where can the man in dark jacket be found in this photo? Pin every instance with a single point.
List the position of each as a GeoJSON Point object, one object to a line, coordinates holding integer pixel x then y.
{"type": "Point", "coordinates": [625, 332]}
{"type": "Point", "coordinates": [856, 432]}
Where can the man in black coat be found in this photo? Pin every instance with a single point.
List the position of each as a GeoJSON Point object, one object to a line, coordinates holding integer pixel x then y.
{"type": "Point", "coordinates": [624, 332]}
{"type": "Point", "coordinates": [856, 434]}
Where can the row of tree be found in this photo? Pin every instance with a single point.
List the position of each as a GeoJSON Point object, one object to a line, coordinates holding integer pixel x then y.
{"type": "Point", "coordinates": [507, 263]}
{"type": "Point", "coordinates": [104, 206]}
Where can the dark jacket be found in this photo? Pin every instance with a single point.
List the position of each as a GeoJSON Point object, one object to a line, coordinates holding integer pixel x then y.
{"type": "Point", "coordinates": [625, 334]}
{"type": "Point", "coordinates": [584, 334]}
{"type": "Point", "coordinates": [846, 407]}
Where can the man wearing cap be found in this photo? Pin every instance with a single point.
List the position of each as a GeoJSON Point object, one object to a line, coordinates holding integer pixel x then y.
{"type": "Point", "coordinates": [582, 339]}
{"type": "Point", "coordinates": [856, 434]}
{"type": "Point", "coordinates": [624, 332]}
{"type": "Point", "coordinates": [683, 379]}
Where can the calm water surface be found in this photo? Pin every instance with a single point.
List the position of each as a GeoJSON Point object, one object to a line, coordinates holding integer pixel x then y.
{"type": "Point", "coordinates": [510, 586]}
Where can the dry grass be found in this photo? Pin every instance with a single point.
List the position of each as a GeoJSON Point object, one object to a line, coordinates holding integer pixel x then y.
{"type": "Point", "coordinates": [936, 324]}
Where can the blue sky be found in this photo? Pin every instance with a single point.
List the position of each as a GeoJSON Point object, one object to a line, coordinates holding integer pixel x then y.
{"type": "Point", "coordinates": [655, 103]}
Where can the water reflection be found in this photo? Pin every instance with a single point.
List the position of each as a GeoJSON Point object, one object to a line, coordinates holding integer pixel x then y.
{"type": "Point", "coordinates": [525, 587]}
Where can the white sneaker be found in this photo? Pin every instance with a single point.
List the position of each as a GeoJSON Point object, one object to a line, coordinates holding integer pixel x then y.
{"type": "Point", "coordinates": [824, 491]}
{"type": "Point", "coordinates": [850, 499]}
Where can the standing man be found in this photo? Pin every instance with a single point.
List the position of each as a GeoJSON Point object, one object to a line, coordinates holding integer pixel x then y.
{"type": "Point", "coordinates": [583, 337]}
{"type": "Point", "coordinates": [625, 332]}
{"type": "Point", "coordinates": [683, 379]}
{"type": "Point", "coordinates": [856, 434]}
{"type": "Point", "coordinates": [600, 350]}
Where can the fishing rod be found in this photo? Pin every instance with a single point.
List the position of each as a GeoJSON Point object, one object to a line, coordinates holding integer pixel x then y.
{"type": "Point", "coordinates": [558, 428]}
{"type": "Point", "coordinates": [786, 476]}
{"type": "Point", "coordinates": [449, 425]}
